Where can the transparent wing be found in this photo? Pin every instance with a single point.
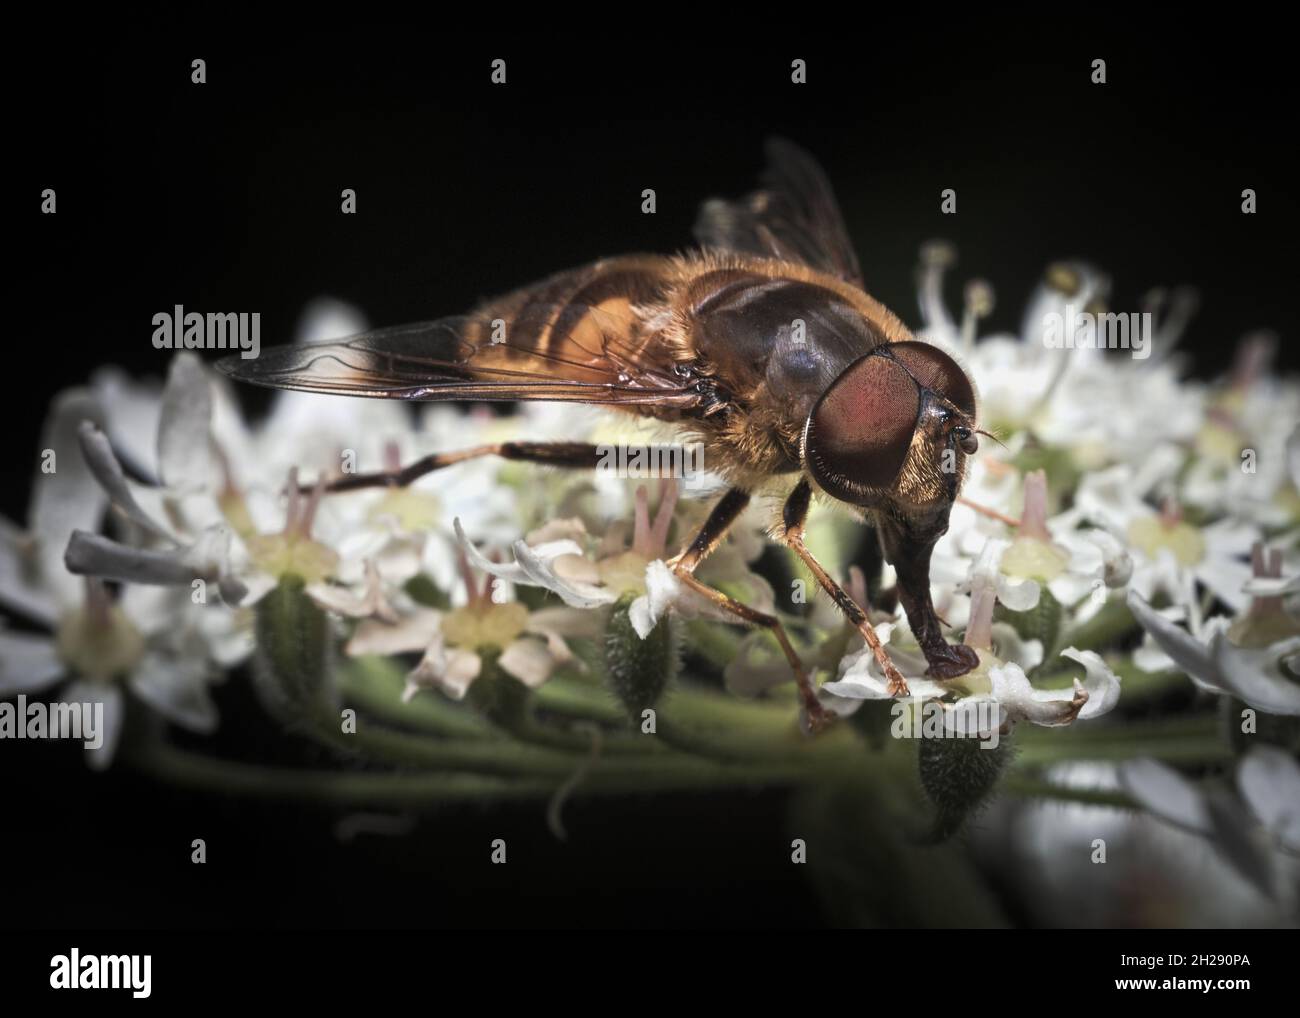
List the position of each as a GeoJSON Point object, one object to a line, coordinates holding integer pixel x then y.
{"type": "Point", "coordinates": [794, 216]}
{"type": "Point", "coordinates": [560, 352]}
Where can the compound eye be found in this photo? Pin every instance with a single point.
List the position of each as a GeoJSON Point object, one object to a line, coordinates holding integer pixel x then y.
{"type": "Point", "coordinates": [860, 431]}
{"type": "Point", "coordinates": [938, 372]}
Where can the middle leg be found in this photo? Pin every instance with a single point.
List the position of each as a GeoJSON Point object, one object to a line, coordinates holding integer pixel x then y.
{"type": "Point", "coordinates": [684, 565]}
{"type": "Point", "coordinates": [794, 516]}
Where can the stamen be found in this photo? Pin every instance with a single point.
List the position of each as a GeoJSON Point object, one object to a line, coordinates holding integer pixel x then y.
{"type": "Point", "coordinates": [472, 594]}
{"type": "Point", "coordinates": [228, 486]}
{"type": "Point", "coordinates": [1171, 513]}
{"type": "Point", "coordinates": [1033, 521]}
{"type": "Point", "coordinates": [1254, 355]}
{"type": "Point", "coordinates": [664, 516]}
{"type": "Point", "coordinates": [291, 508]}
{"type": "Point", "coordinates": [392, 457]}
{"type": "Point", "coordinates": [1265, 563]}
{"type": "Point", "coordinates": [979, 304]}
{"type": "Point", "coordinates": [979, 630]}
{"type": "Point", "coordinates": [98, 603]}
{"type": "Point", "coordinates": [1182, 310]}
{"type": "Point", "coordinates": [308, 508]}
{"type": "Point", "coordinates": [641, 523]}
{"type": "Point", "coordinates": [936, 257]}
{"type": "Point", "coordinates": [1063, 363]}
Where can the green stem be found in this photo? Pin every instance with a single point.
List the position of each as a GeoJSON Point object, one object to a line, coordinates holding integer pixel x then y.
{"type": "Point", "coordinates": [1017, 784]}
{"type": "Point", "coordinates": [579, 699]}
{"type": "Point", "coordinates": [375, 685]}
{"type": "Point", "coordinates": [1106, 628]}
{"type": "Point", "coordinates": [422, 790]}
{"type": "Point", "coordinates": [1170, 751]}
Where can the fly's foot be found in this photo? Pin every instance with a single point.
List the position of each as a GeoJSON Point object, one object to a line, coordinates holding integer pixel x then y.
{"type": "Point", "coordinates": [953, 660]}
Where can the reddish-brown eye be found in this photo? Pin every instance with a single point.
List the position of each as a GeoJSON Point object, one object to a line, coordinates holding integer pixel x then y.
{"type": "Point", "coordinates": [860, 431]}
{"type": "Point", "coordinates": [938, 372]}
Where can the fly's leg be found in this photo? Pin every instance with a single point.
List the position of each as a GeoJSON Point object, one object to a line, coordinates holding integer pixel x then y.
{"type": "Point", "coordinates": [684, 565]}
{"type": "Point", "coordinates": [794, 516]}
{"type": "Point", "coordinates": [573, 455]}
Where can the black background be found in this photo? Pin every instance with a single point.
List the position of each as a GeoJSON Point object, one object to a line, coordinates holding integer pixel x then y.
{"type": "Point", "coordinates": [225, 197]}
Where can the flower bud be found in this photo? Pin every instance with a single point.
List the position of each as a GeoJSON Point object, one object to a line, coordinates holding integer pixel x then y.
{"type": "Point", "coordinates": [639, 670]}
{"type": "Point", "coordinates": [496, 694]}
{"type": "Point", "coordinates": [959, 775]}
{"type": "Point", "coordinates": [292, 659]}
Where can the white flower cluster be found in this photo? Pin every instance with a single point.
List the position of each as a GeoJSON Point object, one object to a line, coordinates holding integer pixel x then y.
{"type": "Point", "coordinates": [1108, 473]}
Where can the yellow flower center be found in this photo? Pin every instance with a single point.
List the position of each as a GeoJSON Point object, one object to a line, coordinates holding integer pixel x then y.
{"type": "Point", "coordinates": [1219, 444]}
{"type": "Point", "coordinates": [1288, 500]}
{"type": "Point", "coordinates": [976, 682]}
{"type": "Point", "coordinates": [1149, 534]}
{"type": "Point", "coordinates": [99, 648]}
{"type": "Point", "coordinates": [414, 511]}
{"type": "Point", "coordinates": [235, 510]}
{"type": "Point", "coordinates": [484, 624]}
{"type": "Point", "coordinates": [624, 573]}
{"type": "Point", "coordinates": [1031, 558]}
{"type": "Point", "coordinates": [290, 555]}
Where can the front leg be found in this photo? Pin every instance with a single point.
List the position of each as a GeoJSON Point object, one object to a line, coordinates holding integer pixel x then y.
{"type": "Point", "coordinates": [908, 551]}
{"type": "Point", "coordinates": [794, 516]}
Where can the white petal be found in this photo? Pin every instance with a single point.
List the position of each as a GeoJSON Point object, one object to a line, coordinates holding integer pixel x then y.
{"type": "Point", "coordinates": [21, 589]}
{"type": "Point", "coordinates": [177, 688]}
{"type": "Point", "coordinates": [326, 318]}
{"type": "Point", "coordinates": [1293, 456]}
{"type": "Point", "coordinates": [372, 601]}
{"type": "Point", "coordinates": [528, 661]}
{"type": "Point", "coordinates": [1028, 654]}
{"type": "Point", "coordinates": [1100, 683]}
{"type": "Point", "coordinates": [1255, 675]}
{"type": "Point", "coordinates": [184, 449]}
{"type": "Point", "coordinates": [450, 669]}
{"type": "Point", "coordinates": [27, 663]}
{"type": "Point", "coordinates": [1150, 658]}
{"type": "Point", "coordinates": [862, 679]}
{"type": "Point", "coordinates": [663, 590]}
{"type": "Point", "coordinates": [1272, 586]}
{"type": "Point", "coordinates": [532, 566]}
{"type": "Point", "coordinates": [1049, 707]}
{"type": "Point", "coordinates": [68, 498]}
{"type": "Point", "coordinates": [1269, 779]}
{"type": "Point", "coordinates": [413, 632]}
{"type": "Point", "coordinates": [100, 758]}
{"type": "Point", "coordinates": [130, 415]}
{"type": "Point", "coordinates": [1187, 652]}
{"type": "Point", "coordinates": [1166, 793]}
{"type": "Point", "coordinates": [1117, 563]}
{"type": "Point", "coordinates": [95, 555]}
{"type": "Point", "coordinates": [974, 717]}
{"type": "Point", "coordinates": [1018, 595]}
{"type": "Point", "coordinates": [107, 471]}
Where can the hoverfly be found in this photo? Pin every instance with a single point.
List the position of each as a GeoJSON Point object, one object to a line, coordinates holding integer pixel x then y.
{"type": "Point", "coordinates": [762, 344]}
